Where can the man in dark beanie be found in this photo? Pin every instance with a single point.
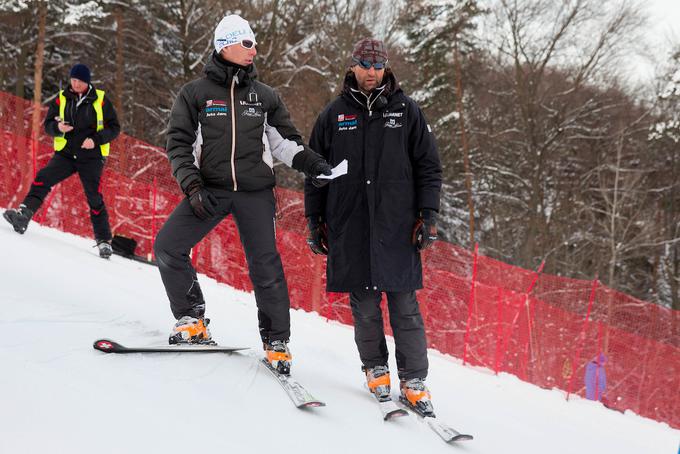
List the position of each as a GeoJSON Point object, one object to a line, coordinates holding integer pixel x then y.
{"type": "Point", "coordinates": [81, 72]}
{"type": "Point", "coordinates": [225, 130]}
{"type": "Point", "coordinates": [374, 222]}
{"type": "Point", "coordinates": [83, 122]}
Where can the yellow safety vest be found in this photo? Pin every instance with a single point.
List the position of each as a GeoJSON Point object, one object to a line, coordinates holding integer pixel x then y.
{"type": "Point", "coordinates": [60, 142]}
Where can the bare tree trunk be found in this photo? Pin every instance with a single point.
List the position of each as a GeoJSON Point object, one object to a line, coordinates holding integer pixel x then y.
{"type": "Point", "coordinates": [20, 88]}
{"type": "Point", "coordinates": [38, 70]}
{"type": "Point", "coordinates": [614, 214]}
{"type": "Point", "coordinates": [613, 246]}
{"type": "Point", "coordinates": [673, 270]}
{"type": "Point", "coordinates": [464, 144]}
{"type": "Point", "coordinates": [658, 257]}
{"type": "Point", "coordinates": [120, 64]}
{"type": "Point", "coordinates": [184, 33]}
{"type": "Point", "coordinates": [37, 77]}
{"type": "Point", "coordinates": [20, 129]}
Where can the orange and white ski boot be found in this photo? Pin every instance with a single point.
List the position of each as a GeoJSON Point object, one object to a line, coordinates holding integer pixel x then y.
{"type": "Point", "coordinates": [278, 356]}
{"type": "Point", "coordinates": [415, 394]}
{"type": "Point", "coordinates": [191, 330]}
{"type": "Point", "coordinates": [378, 382]}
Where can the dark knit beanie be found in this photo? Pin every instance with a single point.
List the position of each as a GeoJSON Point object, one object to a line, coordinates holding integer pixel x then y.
{"type": "Point", "coordinates": [369, 49]}
{"type": "Point", "coordinates": [80, 72]}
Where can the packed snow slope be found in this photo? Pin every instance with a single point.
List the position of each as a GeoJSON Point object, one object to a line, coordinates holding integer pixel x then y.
{"type": "Point", "coordinates": [59, 395]}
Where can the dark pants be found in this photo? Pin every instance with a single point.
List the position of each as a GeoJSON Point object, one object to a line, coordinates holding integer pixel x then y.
{"type": "Point", "coordinates": [90, 172]}
{"type": "Point", "coordinates": [254, 215]}
{"type": "Point", "coordinates": [407, 327]}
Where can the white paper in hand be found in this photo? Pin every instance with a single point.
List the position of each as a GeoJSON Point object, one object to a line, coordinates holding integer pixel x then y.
{"type": "Point", "coordinates": [339, 170]}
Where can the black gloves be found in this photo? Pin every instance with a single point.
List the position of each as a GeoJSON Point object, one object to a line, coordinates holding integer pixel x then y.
{"type": "Point", "coordinates": [425, 229]}
{"type": "Point", "coordinates": [318, 166]}
{"type": "Point", "coordinates": [203, 203]}
{"type": "Point", "coordinates": [318, 236]}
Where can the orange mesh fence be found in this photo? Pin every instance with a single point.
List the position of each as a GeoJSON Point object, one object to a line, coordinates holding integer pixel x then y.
{"type": "Point", "coordinates": [544, 329]}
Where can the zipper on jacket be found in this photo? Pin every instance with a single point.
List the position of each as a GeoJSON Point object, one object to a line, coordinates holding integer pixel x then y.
{"type": "Point", "coordinates": [233, 134]}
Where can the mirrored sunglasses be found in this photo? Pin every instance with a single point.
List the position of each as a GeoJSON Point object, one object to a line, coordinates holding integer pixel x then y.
{"type": "Point", "coordinates": [367, 64]}
{"type": "Point", "coordinates": [248, 44]}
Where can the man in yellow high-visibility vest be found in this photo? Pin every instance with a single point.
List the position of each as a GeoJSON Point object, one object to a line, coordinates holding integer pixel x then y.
{"type": "Point", "coordinates": [83, 122]}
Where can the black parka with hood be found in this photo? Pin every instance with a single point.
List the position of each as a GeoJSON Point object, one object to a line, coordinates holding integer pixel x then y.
{"type": "Point", "coordinates": [394, 172]}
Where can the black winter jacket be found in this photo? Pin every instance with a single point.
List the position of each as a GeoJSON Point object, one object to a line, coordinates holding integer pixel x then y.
{"type": "Point", "coordinates": [83, 118]}
{"type": "Point", "coordinates": [225, 128]}
{"type": "Point", "coordinates": [394, 172]}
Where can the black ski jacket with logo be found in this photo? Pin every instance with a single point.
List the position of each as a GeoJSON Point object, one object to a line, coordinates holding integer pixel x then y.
{"type": "Point", "coordinates": [394, 171]}
{"type": "Point", "coordinates": [226, 127]}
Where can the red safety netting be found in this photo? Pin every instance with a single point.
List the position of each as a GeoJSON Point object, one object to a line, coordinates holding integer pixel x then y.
{"type": "Point", "coordinates": [544, 329]}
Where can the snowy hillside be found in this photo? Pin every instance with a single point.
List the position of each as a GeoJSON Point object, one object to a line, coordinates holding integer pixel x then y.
{"type": "Point", "coordinates": [59, 395]}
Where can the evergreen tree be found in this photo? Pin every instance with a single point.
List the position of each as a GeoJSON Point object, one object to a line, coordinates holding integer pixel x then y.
{"type": "Point", "coordinates": [440, 38]}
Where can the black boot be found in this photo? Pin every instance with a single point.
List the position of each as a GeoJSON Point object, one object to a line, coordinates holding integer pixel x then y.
{"type": "Point", "coordinates": [19, 218]}
{"type": "Point", "coordinates": [105, 249]}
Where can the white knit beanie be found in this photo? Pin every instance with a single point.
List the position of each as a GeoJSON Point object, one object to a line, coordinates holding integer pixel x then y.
{"type": "Point", "coordinates": [232, 30]}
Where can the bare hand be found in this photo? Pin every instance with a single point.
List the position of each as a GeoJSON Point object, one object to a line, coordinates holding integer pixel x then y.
{"type": "Point", "coordinates": [88, 144]}
{"type": "Point", "coordinates": [64, 127]}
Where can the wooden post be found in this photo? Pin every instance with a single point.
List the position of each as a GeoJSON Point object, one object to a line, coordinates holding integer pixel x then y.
{"type": "Point", "coordinates": [532, 345]}
{"type": "Point", "coordinates": [498, 331]}
{"type": "Point", "coordinates": [470, 304]}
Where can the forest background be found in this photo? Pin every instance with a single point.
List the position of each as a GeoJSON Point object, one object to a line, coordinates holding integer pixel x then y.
{"type": "Point", "coordinates": [553, 151]}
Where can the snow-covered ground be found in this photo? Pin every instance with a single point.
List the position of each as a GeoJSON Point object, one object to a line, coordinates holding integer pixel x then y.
{"type": "Point", "coordinates": [59, 395]}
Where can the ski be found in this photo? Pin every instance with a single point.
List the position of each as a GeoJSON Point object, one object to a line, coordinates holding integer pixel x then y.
{"type": "Point", "coordinates": [446, 433]}
{"type": "Point", "coordinates": [390, 410]}
{"type": "Point", "coordinates": [387, 407]}
{"type": "Point", "coordinates": [109, 346]}
{"type": "Point", "coordinates": [297, 393]}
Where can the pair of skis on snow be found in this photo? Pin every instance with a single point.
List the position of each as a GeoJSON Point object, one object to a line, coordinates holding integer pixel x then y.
{"type": "Point", "coordinates": [297, 393]}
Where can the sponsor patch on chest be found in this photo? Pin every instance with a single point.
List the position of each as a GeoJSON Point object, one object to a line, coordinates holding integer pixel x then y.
{"type": "Point", "coordinates": [252, 112]}
{"type": "Point", "coordinates": [347, 122]}
{"type": "Point", "coordinates": [216, 108]}
{"type": "Point", "coordinates": [393, 123]}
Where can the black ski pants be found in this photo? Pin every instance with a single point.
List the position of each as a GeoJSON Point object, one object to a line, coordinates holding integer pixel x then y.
{"type": "Point", "coordinates": [254, 216]}
{"type": "Point", "coordinates": [407, 326]}
{"type": "Point", "coordinates": [90, 172]}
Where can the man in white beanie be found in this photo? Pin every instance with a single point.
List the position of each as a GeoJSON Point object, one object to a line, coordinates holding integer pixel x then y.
{"type": "Point", "coordinates": [232, 30]}
{"type": "Point", "coordinates": [224, 131]}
